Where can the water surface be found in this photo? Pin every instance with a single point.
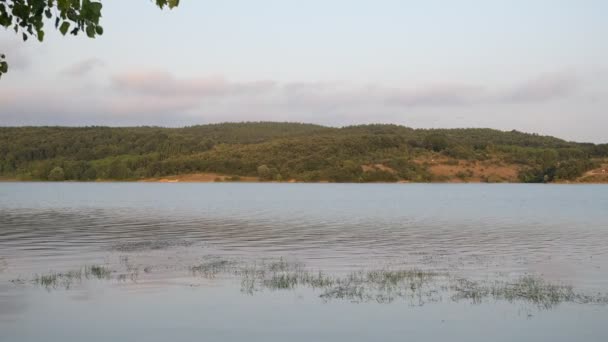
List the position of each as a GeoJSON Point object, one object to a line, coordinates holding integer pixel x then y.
{"type": "Point", "coordinates": [151, 237]}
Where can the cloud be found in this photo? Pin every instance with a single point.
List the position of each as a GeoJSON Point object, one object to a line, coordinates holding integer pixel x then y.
{"type": "Point", "coordinates": [83, 67]}
{"type": "Point", "coordinates": [153, 97]}
{"type": "Point", "coordinates": [439, 95]}
{"type": "Point", "coordinates": [143, 87]}
{"type": "Point", "coordinates": [162, 83]}
{"type": "Point", "coordinates": [543, 88]}
{"type": "Point", "coordinates": [142, 94]}
{"type": "Point", "coordinates": [149, 105]}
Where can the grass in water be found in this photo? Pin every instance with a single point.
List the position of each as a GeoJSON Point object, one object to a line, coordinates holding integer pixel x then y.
{"type": "Point", "coordinates": [54, 280]}
{"type": "Point", "coordinates": [99, 272]}
{"type": "Point", "coordinates": [386, 285]}
{"type": "Point", "coordinates": [415, 286]}
{"type": "Point", "coordinates": [212, 268]}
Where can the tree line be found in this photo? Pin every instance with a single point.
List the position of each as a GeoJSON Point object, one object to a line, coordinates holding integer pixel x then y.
{"type": "Point", "coordinates": [281, 151]}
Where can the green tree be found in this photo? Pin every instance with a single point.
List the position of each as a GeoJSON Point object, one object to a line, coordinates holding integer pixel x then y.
{"type": "Point", "coordinates": [56, 174]}
{"type": "Point", "coordinates": [436, 142]}
{"type": "Point", "coordinates": [264, 172]}
{"type": "Point", "coordinates": [28, 18]}
{"type": "Point", "coordinates": [118, 170]}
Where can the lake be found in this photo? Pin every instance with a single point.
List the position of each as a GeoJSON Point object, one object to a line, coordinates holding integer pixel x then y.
{"type": "Point", "coordinates": [303, 262]}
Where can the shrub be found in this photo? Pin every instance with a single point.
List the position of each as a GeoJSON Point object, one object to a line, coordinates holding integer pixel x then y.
{"type": "Point", "coordinates": [56, 174]}
{"type": "Point", "coordinates": [378, 176]}
{"type": "Point", "coordinates": [436, 142]}
{"type": "Point", "coordinates": [264, 172]}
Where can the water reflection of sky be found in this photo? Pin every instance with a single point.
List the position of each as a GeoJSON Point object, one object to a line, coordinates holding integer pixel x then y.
{"type": "Point", "coordinates": [217, 314]}
{"type": "Point", "coordinates": [475, 231]}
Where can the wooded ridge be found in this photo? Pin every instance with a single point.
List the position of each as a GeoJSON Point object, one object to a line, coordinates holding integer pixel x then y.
{"type": "Point", "coordinates": [272, 151]}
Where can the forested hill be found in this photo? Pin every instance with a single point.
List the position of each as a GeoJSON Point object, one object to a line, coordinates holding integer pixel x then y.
{"type": "Point", "coordinates": [293, 151]}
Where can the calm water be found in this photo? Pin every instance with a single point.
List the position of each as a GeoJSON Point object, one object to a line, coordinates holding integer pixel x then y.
{"type": "Point", "coordinates": [150, 238]}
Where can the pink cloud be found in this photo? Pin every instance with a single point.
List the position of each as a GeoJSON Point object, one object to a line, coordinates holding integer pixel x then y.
{"type": "Point", "coordinates": [162, 83]}
{"type": "Point", "coordinates": [158, 96]}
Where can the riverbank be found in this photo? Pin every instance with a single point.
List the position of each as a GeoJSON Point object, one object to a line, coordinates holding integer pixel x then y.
{"type": "Point", "coordinates": [442, 170]}
{"type": "Point", "coordinates": [215, 178]}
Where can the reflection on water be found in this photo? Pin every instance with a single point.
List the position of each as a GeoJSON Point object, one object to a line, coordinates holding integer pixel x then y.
{"type": "Point", "coordinates": [497, 247]}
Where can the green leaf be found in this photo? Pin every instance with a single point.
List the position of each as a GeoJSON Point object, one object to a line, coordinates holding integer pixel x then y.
{"type": "Point", "coordinates": [65, 26]}
{"type": "Point", "coordinates": [76, 4]}
{"type": "Point", "coordinates": [95, 8]}
{"type": "Point", "coordinates": [3, 67]}
{"type": "Point", "coordinates": [90, 31]}
{"type": "Point", "coordinates": [99, 30]}
{"type": "Point", "coordinates": [170, 3]}
{"type": "Point", "coordinates": [40, 35]}
{"type": "Point", "coordinates": [63, 5]}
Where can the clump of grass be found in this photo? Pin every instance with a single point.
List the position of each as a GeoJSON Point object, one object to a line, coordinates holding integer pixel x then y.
{"type": "Point", "coordinates": [54, 279]}
{"type": "Point", "coordinates": [47, 280]}
{"type": "Point", "coordinates": [284, 281]}
{"type": "Point", "coordinates": [387, 285]}
{"type": "Point", "coordinates": [544, 294]}
{"type": "Point", "coordinates": [96, 271]}
{"type": "Point", "coordinates": [278, 275]}
{"type": "Point", "coordinates": [159, 244]}
{"type": "Point", "coordinates": [123, 277]}
{"type": "Point", "coordinates": [387, 277]}
{"type": "Point", "coordinates": [527, 289]}
{"type": "Point", "coordinates": [212, 268]}
{"type": "Point", "coordinates": [317, 280]}
{"type": "Point", "coordinates": [280, 266]}
{"type": "Point", "coordinates": [469, 290]}
{"type": "Point", "coordinates": [535, 290]}
{"type": "Point", "coordinates": [352, 292]}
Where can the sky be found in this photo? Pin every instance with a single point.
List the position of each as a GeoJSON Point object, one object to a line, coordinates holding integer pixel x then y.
{"type": "Point", "coordinates": [537, 66]}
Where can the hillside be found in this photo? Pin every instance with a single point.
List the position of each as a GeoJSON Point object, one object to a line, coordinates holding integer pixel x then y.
{"type": "Point", "coordinates": [297, 152]}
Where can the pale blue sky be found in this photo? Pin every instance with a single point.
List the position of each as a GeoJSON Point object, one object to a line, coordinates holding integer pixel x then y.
{"type": "Point", "coordinates": [535, 65]}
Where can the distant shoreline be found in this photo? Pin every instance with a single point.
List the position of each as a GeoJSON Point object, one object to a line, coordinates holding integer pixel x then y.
{"type": "Point", "coordinates": [217, 178]}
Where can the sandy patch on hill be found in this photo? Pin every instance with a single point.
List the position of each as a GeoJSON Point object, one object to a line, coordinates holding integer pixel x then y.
{"type": "Point", "coordinates": [464, 171]}
{"type": "Point", "coordinates": [599, 175]}
{"type": "Point", "coordinates": [200, 178]}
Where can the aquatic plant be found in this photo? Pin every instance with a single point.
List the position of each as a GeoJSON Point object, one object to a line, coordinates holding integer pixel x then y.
{"type": "Point", "coordinates": [65, 280]}
{"type": "Point", "coordinates": [54, 279]}
{"type": "Point", "coordinates": [384, 285]}
{"type": "Point", "coordinates": [414, 286]}
{"type": "Point", "coordinates": [212, 267]}
{"type": "Point", "coordinates": [99, 272]}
